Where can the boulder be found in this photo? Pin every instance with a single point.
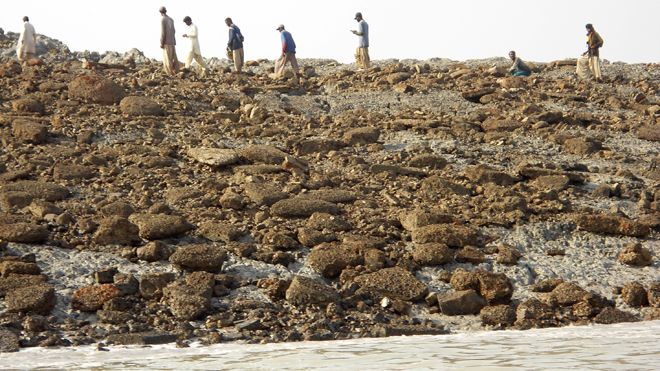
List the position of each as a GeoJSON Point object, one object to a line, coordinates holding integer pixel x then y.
{"type": "Point", "coordinates": [499, 126]}
{"type": "Point", "coordinates": [200, 257]}
{"type": "Point", "coordinates": [155, 251]}
{"type": "Point", "coordinates": [654, 294]}
{"type": "Point", "coordinates": [486, 174]}
{"type": "Point", "coordinates": [534, 309]}
{"type": "Point", "coordinates": [27, 106]}
{"type": "Point", "coordinates": [430, 160]}
{"type": "Point", "coordinates": [91, 298]}
{"type": "Point", "coordinates": [97, 90]}
{"type": "Point", "coordinates": [567, 294]}
{"type": "Point", "coordinates": [636, 255]}
{"type": "Point", "coordinates": [117, 231]}
{"type": "Point", "coordinates": [160, 226]}
{"type": "Point", "coordinates": [496, 288]}
{"type": "Point", "coordinates": [9, 267]}
{"type": "Point", "coordinates": [395, 283]}
{"type": "Point", "coordinates": [304, 291]}
{"type": "Point", "coordinates": [9, 341]}
{"type": "Point", "coordinates": [461, 303]}
{"type": "Point", "coordinates": [293, 207]}
{"type": "Point", "coordinates": [611, 224]}
{"type": "Point", "coordinates": [634, 294]}
{"type": "Point", "coordinates": [29, 131]}
{"type": "Point", "coordinates": [23, 233]}
{"type": "Point", "coordinates": [323, 221]}
{"type": "Point", "coordinates": [263, 155]}
{"type": "Point", "coordinates": [433, 253]}
{"type": "Point", "coordinates": [220, 231]}
{"type": "Point", "coordinates": [435, 187]}
{"type": "Point", "coordinates": [470, 254]}
{"type": "Point", "coordinates": [411, 220]}
{"type": "Point", "coordinates": [140, 106]}
{"type": "Point", "coordinates": [263, 193]}
{"type": "Point", "coordinates": [611, 315]}
{"type": "Point", "coordinates": [214, 156]}
{"type": "Point", "coordinates": [69, 172]}
{"type": "Point", "coordinates": [507, 254]}
{"type": "Point", "coordinates": [330, 259]}
{"type": "Point", "coordinates": [152, 284]}
{"type": "Point", "coordinates": [118, 208]}
{"type": "Point", "coordinates": [39, 299]}
{"type": "Point", "coordinates": [452, 235]}
{"type": "Point", "coordinates": [499, 315]}
{"type": "Point", "coordinates": [362, 136]}
{"type": "Point", "coordinates": [41, 190]}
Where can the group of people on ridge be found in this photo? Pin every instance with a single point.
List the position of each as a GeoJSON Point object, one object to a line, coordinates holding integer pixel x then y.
{"type": "Point", "coordinates": [588, 65]}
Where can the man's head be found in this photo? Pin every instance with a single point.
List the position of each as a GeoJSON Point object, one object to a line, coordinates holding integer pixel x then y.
{"type": "Point", "coordinates": [358, 16]}
{"type": "Point", "coordinates": [512, 55]}
{"type": "Point", "coordinates": [162, 10]}
{"type": "Point", "coordinates": [25, 19]}
{"type": "Point", "coordinates": [187, 20]}
{"type": "Point", "coordinates": [280, 27]}
{"type": "Point", "coordinates": [228, 21]}
{"type": "Point", "coordinates": [589, 27]}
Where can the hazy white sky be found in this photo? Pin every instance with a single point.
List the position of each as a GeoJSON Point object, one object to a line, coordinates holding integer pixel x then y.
{"type": "Point", "coordinates": [539, 30]}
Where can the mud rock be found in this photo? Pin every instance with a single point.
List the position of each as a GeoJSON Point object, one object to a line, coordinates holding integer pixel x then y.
{"type": "Point", "coordinates": [432, 161]}
{"type": "Point", "coordinates": [263, 155]}
{"type": "Point", "coordinates": [534, 309]}
{"type": "Point", "coordinates": [395, 283]}
{"type": "Point", "coordinates": [420, 218]}
{"type": "Point", "coordinates": [508, 255]}
{"type": "Point", "coordinates": [546, 285]}
{"type": "Point", "coordinates": [29, 131]}
{"type": "Point", "coordinates": [611, 224]}
{"type": "Point", "coordinates": [68, 172]}
{"type": "Point", "coordinates": [461, 303]}
{"type": "Point", "coordinates": [653, 294]}
{"type": "Point", "coordinates": [97, 90]}
{"type": "Point", "coordinates": [16, 281]}
{"type": "Point", "coordinates": [612, 315]}
{"type": "Point", "coordinates": [331, 195]}
{"type": "Point", "coordinates": [220, 232]}
{"type": "Point", "coordinates": [117, 231]}
{"type": "Point", "coordinates": [496, 288]}
{"type": "Point", "coordinates": [321, 221]}
{"type": "Point", "coordinates": [486, 174]}
{"type": "Point", "coordinates": [263, 193]}
{"type": "Point", "coordinates": [499, 315]}
{"type": "Point", "coordinates": [330, 259]}
{"type": "Point", "coordinates": [311, 237]}
{"type": "Point", "coordinates": [634, 294]}
{"type": "Point", "coordinates": [214, 156]}
{"type": "Point", "coordinates": [435, 187]}
{"type": "Point", "coordinates": [91, 298]}
{"type": "Point", "coordinates": [38, 298]}
{"type": "Point", "coordinates": [567, 294]}
{"type": "Point", "coordinates": [42, 208]}
{"type": "Point", "coordinates": [155, 251]}
{"type": "Point", "coordinates": [157, 227]}
{"type": "Point", "coordinates": [152, 284]}
{"type": "Point", "coordinates": [126, 283]}
{"type": "Point", "coordinates": [582, 146]}
{"type": "Point", "coordinates": [311, 146]}
{"type": "Point", "coordinates": [140, 106]}
{"type": "Point", "coordinates": [649, 132]}
{"type": "Point", "coordinates": [8, 341]}
{"type": "Point", "coordinates": [431, 254]}
{"type": "Point", "coordinates": [552, 182]}
{"type": "Point", "coordinates": [27, 106]}
{"type": "Point", "coordinates": [452, 235]}
{"type": "Point", "coordinates": [23, 233]}
{"type": "Point", "coordinates": [463, 280]}
{"type": "Point", "coordinates": [10, 267]}
{"type": "Point", "coordinates": [362, 136]}
{"type": "Point", "coordinates": [636, 255]}
{"type": "Point", "coordinates": [121, 209]}
{"type": "Point", "coordinates": [200, 257]}
{"type": "Point", "coordinates": [500, 126]}
{"type": "Point", "coordinates": [304, 290]}
{"type": "Point", "coordinates": [470, 254]}
{"type": "Point", "coordinates": [293, 207]}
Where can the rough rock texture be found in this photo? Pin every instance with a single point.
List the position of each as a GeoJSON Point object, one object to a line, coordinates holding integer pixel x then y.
{"type": "Point", "coordinates": [303, 290]}
{"type": "Point", "coordinates": [395, 283]}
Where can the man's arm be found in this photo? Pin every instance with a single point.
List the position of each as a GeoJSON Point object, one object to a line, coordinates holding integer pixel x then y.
{"type": "Point", "coordinates": [162, 32]}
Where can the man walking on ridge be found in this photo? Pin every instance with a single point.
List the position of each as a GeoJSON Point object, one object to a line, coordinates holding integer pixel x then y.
{"type": "Point", "coordinates": [235, 45]}
{"type": "Point", "coordinates": [594, 42]}
{"type": "Point", "coordinates": [288, 52]}
{"type": "Point", "coordinates": [362, 53]}
{"type": "Point", "coordinates": [519, 67]}
{"type": "Point", "coordinates": [167, 43]}
{"type": "Point", "coordinates": [26, 47]}
{"type": "Point", "coordinates": [194, 51]}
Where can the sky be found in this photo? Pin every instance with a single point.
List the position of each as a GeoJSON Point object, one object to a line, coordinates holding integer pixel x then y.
{"type": "Point", "coordinates": [539, 30]}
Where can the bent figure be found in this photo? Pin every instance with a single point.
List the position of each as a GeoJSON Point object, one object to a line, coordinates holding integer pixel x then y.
{"type": "Point", "coordinates": [288, 52]}
{"type": "Point", "coordinates": [168, 43]}
{"type": "Point", "coordinates": [195, 51]}
{"type": "Point", "coordinates": [362, 53]}
{"type": "Point", "coordinates": [27, 43]}
{"type": "Point", "coordinates": [235, 45]}
{"type": "Point", "coordinates": [519, 68]}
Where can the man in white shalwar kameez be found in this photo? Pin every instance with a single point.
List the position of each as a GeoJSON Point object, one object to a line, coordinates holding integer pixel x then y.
{"type": "Point", "coordinates": [195, 52]}
{"type": "Point", "coordinates": [27, 43]}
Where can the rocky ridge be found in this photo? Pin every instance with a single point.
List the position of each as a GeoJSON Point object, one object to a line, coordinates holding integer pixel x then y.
{"type": "Point", "coordinates": [417, 197]}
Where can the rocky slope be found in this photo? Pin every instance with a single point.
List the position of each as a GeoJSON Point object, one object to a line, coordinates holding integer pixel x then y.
{"type": "Point", "coordinates": [412, 198]}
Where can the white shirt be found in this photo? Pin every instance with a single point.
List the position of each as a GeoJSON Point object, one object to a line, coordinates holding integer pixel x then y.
{"type": "Point", "coordinates": [28, 41]}
{"type": "Point", "coordinates": [194, 41]}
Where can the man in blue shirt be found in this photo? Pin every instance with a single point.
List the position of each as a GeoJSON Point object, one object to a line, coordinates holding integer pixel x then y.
{"type": "Point", "coordinates": [362, 53]}
{"type": "Point", "coordinates": [235, 45]}
{"type": "Point", "coordinates": [288, 52]}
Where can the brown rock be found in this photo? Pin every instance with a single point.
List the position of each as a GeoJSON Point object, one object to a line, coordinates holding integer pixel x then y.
{"type": "Point", "coordinates": [220, 231]}
{"type": "Point", "coordinates": [304, 290]}
{"type": "Point", "coordinates": [461, 303]}
{"type": "Point", "coordinates": [140, 106]}
{"type": "Point", "coordinates": [395, 283]}
{"type": "Point", "coordinates": [117, 231]}
{"type": "Point", "coordinates": [435, 187]}
{"type": "Point", "coordinates": [91, 298]}
{"type": "Point", "coordinates": [634, 254]}
{"type": "Point", "coordinates": [330, 259]}
{"type": "Point", "coordinates": [611, 315]}
{"type": "Point", "coordinates": [303, 207]}
{"type": "Point", "coordinates": [362, 136]}
{"type": "Point", "coordinates": [430, 254]}
{"type": "Point", "coordinates": [157, 227]}
{"type": "Point", "coordinates": [452, 235]}
{"type": "Point", "coordinates": [152, 284]}
{"type": "Point", "coordinates": [23, 233]}
{"type": "Point", "coordinates": [323, 221]}
{"type": "Point", "coordinates": [582, 146]}
{"type": "Point", "coordinates": [421, 218]}
{"type": "Point", "coordinates": [611, 224]}
{"type": "Point", "coordinates": [29, 106]}
{"type": "Point", "coordinates": [499, 126]}
{"type": "Point", "coordinates": [97, 90]}
{"type": "Point", "coordinates": [499, 315]}
{"type": "Point", "coordinates": [546, 285]}
{"type": "Point", "coordinates": [634, 294]}
{"type": "Point", "coordinates": [155, 251]}
{"type": "Point", "coordinates": [566, 294]}
{"type": "Point", "coordinates": [29, 131]}
{"type": "Point", "coordinates": [38, 298]}
{"type": "Point", "coordinates": [429, 160]}
{"type": "Point", "coordinates": [496, 288]}
{"type": "Point", "coordinates": [470, 254]}
{"type": "Point", "coordinates": [552, 182]}
{"type": "Point", "coordinates": [507, 254]}
{"type": "Point", "coordinates": [263, 193]}
{"type": "Point", "coordinates": [10, 267]}
{"type": "Point", "coordinates": [200, 257]}
{"type": "Point", "coordinates": [534, 309]}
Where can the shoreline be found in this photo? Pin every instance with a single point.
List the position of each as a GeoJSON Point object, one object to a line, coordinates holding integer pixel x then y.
{"type": "Point", "coordinates": [406, 199]}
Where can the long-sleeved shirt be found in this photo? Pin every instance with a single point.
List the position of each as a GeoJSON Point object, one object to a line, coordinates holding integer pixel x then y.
{"type": "Point", "coordinates": [167, 31]}
{"type": "Point", "coordinates": [363, 33]}
{"type": "Point", "coordinates": [594, 42]}
{"type": "Point", "coordinates": [194, 41]}
{"type": "Point", "coordinates": [27, 43]}
{"type": "Point", "coordinates": [519, 65]}
{"type": "Point", "coordinates": [288, 45]}
{"type": "Point", "coordinates": [234, 38]}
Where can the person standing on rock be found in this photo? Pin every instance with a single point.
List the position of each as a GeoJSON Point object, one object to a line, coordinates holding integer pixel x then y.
{"type": "Point", "coordinates": [519, 68]}
{"type": "Point", "coordinates": [195, 51]}
{"type": "Point", "coordinates": [235, 45]}
{"type": "Point", "coordinates": [362, 53]}
{"type": "Point", "coordinates": [594, 42]}
{"type": "Point", "coordinates": [288, 52]}
{"type": "Point", "coordinates": [168, 43]}
{"type": "Point", "coordinates": [26, 48]}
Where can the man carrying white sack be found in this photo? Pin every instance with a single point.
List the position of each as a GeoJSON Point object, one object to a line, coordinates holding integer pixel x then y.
{"type": "Point", "coordinates": [26, 48]}
{"type": "Point", "coordinates": [168, 43]}
{"type": "Point", "coordinates": [195, 52]}
{"type": "Point", "coordinates": [288, 52]}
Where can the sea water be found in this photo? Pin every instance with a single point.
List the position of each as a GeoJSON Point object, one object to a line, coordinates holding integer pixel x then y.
{"type": "Point", "coordinates": [628, 346]}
